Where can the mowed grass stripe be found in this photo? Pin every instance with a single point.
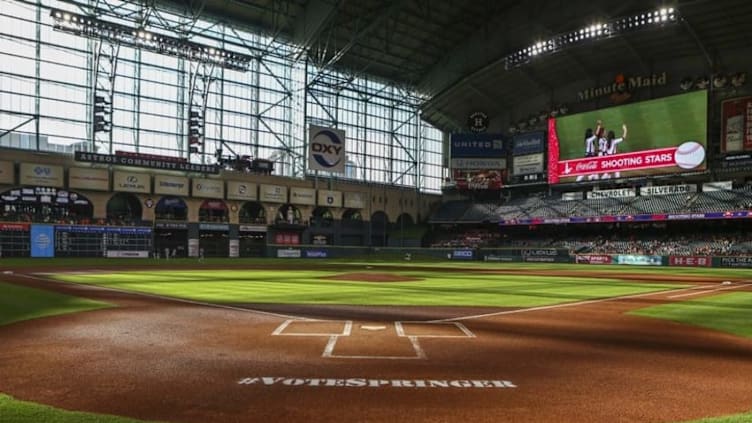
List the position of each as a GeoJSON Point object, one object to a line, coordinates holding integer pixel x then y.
{"type": "Point", "coordinates": [726, 312]}
{"type": "Point", "coordinates": [15, 411]}
{"type": "Point", "coordinates": [308, 287]}
{"type": "Point", "coordinates": [18, 303]}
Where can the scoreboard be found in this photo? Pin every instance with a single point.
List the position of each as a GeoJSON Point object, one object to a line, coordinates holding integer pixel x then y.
{"type": "Point", "coordinates": [102, 241]}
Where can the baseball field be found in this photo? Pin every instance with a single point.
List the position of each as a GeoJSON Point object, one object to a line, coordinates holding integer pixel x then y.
{"type": "Point", "coordinates": [365, 340]}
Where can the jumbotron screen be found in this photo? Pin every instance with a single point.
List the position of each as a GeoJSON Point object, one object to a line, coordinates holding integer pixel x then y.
{"type": "Point", "coordinates": [666, 135]}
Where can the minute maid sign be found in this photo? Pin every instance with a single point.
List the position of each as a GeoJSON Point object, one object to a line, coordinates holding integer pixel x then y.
{"type": "Point", "coordinates": [326, 149]}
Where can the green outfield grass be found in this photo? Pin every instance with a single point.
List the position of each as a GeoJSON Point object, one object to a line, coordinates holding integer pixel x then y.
{"type": "Point", "coordinates": [663, 122]}
{"type": "Point", "coordinates": [19, 303]}
{"type": "Point", "coordinates": [726, 312]}
{"type": "Point", "coordinates": [736, 418]}
{"type": "Point", "coordinates": [15, 411]}
{"type": "Point", "coordinates": [362, 262]}
{"type": "Point", "coordinates": [435, 288]}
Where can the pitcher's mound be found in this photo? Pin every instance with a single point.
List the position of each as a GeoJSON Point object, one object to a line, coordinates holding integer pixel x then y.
{"type": "Point", "coordinates": [371, 277]}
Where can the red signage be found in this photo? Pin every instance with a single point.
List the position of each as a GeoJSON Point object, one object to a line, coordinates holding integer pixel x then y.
{"type": "Point", "coordinates": [736, 125]}
{"type": "Point", "coordinates": [19, 227]}
{"type": "Point", "coordinates": [690, 261]}
{"type": "Point", "coordinates": [593, 259]}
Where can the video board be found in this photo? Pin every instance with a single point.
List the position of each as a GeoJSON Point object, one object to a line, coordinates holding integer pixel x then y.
{"type": "Point", "coordinates": [662, 136]}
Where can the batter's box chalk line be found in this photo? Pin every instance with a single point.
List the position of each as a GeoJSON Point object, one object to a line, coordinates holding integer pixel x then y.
{"type": "Point", "coordinates": [419, 353]}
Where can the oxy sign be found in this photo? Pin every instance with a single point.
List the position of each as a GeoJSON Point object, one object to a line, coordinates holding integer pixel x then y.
{"type": "Point", "coordinates": [326, 149]}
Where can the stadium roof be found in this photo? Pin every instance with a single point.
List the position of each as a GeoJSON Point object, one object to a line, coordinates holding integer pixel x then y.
{"type": "Point", "coordinates": [453, 51]}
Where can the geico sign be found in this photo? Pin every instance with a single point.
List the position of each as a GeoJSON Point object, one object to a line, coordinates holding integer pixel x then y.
{"type": "Point", "coordinates": [327, 148]}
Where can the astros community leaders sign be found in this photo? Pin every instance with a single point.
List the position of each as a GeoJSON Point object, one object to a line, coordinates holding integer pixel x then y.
{"type": "Point", "coordinates": [110, 159]}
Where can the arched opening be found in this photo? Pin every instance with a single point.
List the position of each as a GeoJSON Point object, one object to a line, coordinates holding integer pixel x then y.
{"type": "Point", "coordinates": [45, 205]}
{"type": "Point", "coordinates": [171, 208]}
{"type": "Point", "coordinates": [213, 211]}
{"type": "Point", "coordinates": [322, 217]}
{"type": "Point", "coordinates": [124, 209]}
{"type": "Point", "coordinates": [352, 233]}
{"type": "Point", "coordinates": [287, 214]}
{"type": "Point", "coordinates": [252, 212]}
{"type": "Point", "coordinates": [352, 215]}
{"type": "Point", "coordinates": [379, 229]}
{"type": "Point", "coordinates": [171, 227]}
{"type": "Point", "coordinates": [404, 221]}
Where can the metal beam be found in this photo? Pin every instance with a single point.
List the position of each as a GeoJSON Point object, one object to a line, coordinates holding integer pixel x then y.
{"type": "Point", "coordinates": [308, 26]}
{"type": "Point", "coordinates": [698, 41]}
{"type": "Point", "coordinates": [375, 23]}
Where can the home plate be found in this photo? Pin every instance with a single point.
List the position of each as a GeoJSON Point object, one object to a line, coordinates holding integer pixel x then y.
{"type": "Point", "coordinates": [726, 283]}
{"type": "Point", "coordinates": [372, 327]}
{"type": "Point", "coordinates": [8, 272]}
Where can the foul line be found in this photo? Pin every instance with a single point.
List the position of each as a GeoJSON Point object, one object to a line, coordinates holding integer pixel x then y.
{"type": "Point", "coordinates": [726, 288]}
{"type": "Point", "coordinates": [555, 306]}
{"type": "Point", "coordinates": [162, 297]}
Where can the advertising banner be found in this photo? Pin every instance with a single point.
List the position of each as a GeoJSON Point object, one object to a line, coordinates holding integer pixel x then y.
{"type": "Point", "coordinates": [208, 188]}
{"type": "Point", "coordinates": [316, 254]}
{"type": "Point", "coordinates": [7, 175]}
{"type": "Point", "coordinates": [41, 175]}
{"type": "Point", "coordinates": [171, 185]}
{"type": "Point", "coordinates": [289, 253]}
{"type": "Point", "coordinates": [252, 228]}
{"type": "Point", "coordinates": [146, 161]}
{"type": "Point", "coordinates": [593, 259]}
{"type": "Point", "coordinates": [662, 136]}
{"type": "Point", "coordinates": [326, 149]}
{"type": "Point", "coordinates": [668, 189]}
{"type": "Point", "coordinates": [131, 182]}
{"type": "Point", "coordinates": [718, 186]}
{"type": "Point", "coordinates": [479, 179]}
{"type": "Point", "coordinates": [462, 255]}
{"type": "Point", "coordinates": [244, 191]}
{"type": "Point", "coordinates": [740, 262]}
{"type": "Point", "coordinates": [690, 261]}
{"type": "Point", "coordinates": [528, 164]}
{"type": "Point", "coordinates": [613, 193]}
{"type": "Point", "coordinates": [273, 193]}
{"type": "Point", "coordinates": [476, 145]}
{"type": "Point", "coordinates": [355, 200]}
{"type": "Point", "coordinates": [42, 241]}
{"type": "Point", "coordinates": [127, 254]}
{"type": "Point", "coordinates": [330, 198]}
{"type": "Point", "coordinates": [234, 248]}
{"type": "Point", "coordinates": [479, 163]}
{"type": "Point", "coordinates": [193, 247]}
{"type": "Point", "coordinates": [736, 125]}
{"type": "Point", "coordinates": [638, 260]}
{"type": "Point", "coordinates": [529, 143]}
{"type": "Point", "coordinates": [91, 179]}
{"type": "Point", "coordinates": [14, 227]}
{"type": "Point", "coordinates": [304, 196]}
{"type": "Point", "coordinates": [571, 196]}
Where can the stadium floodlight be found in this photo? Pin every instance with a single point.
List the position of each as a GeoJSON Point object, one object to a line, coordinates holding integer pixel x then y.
{"type": "Point", "coordinates": [644, 20]}
{"type": "Point", "coordinates": [140, 37]}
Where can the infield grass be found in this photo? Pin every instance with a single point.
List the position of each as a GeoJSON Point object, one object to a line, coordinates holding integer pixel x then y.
{"type": "Point", "coordinates": [19, 303]}
{"type": "Point", "coordinates": [435, 288]}
{"type": "Point", "coordinates": [726, 312]}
